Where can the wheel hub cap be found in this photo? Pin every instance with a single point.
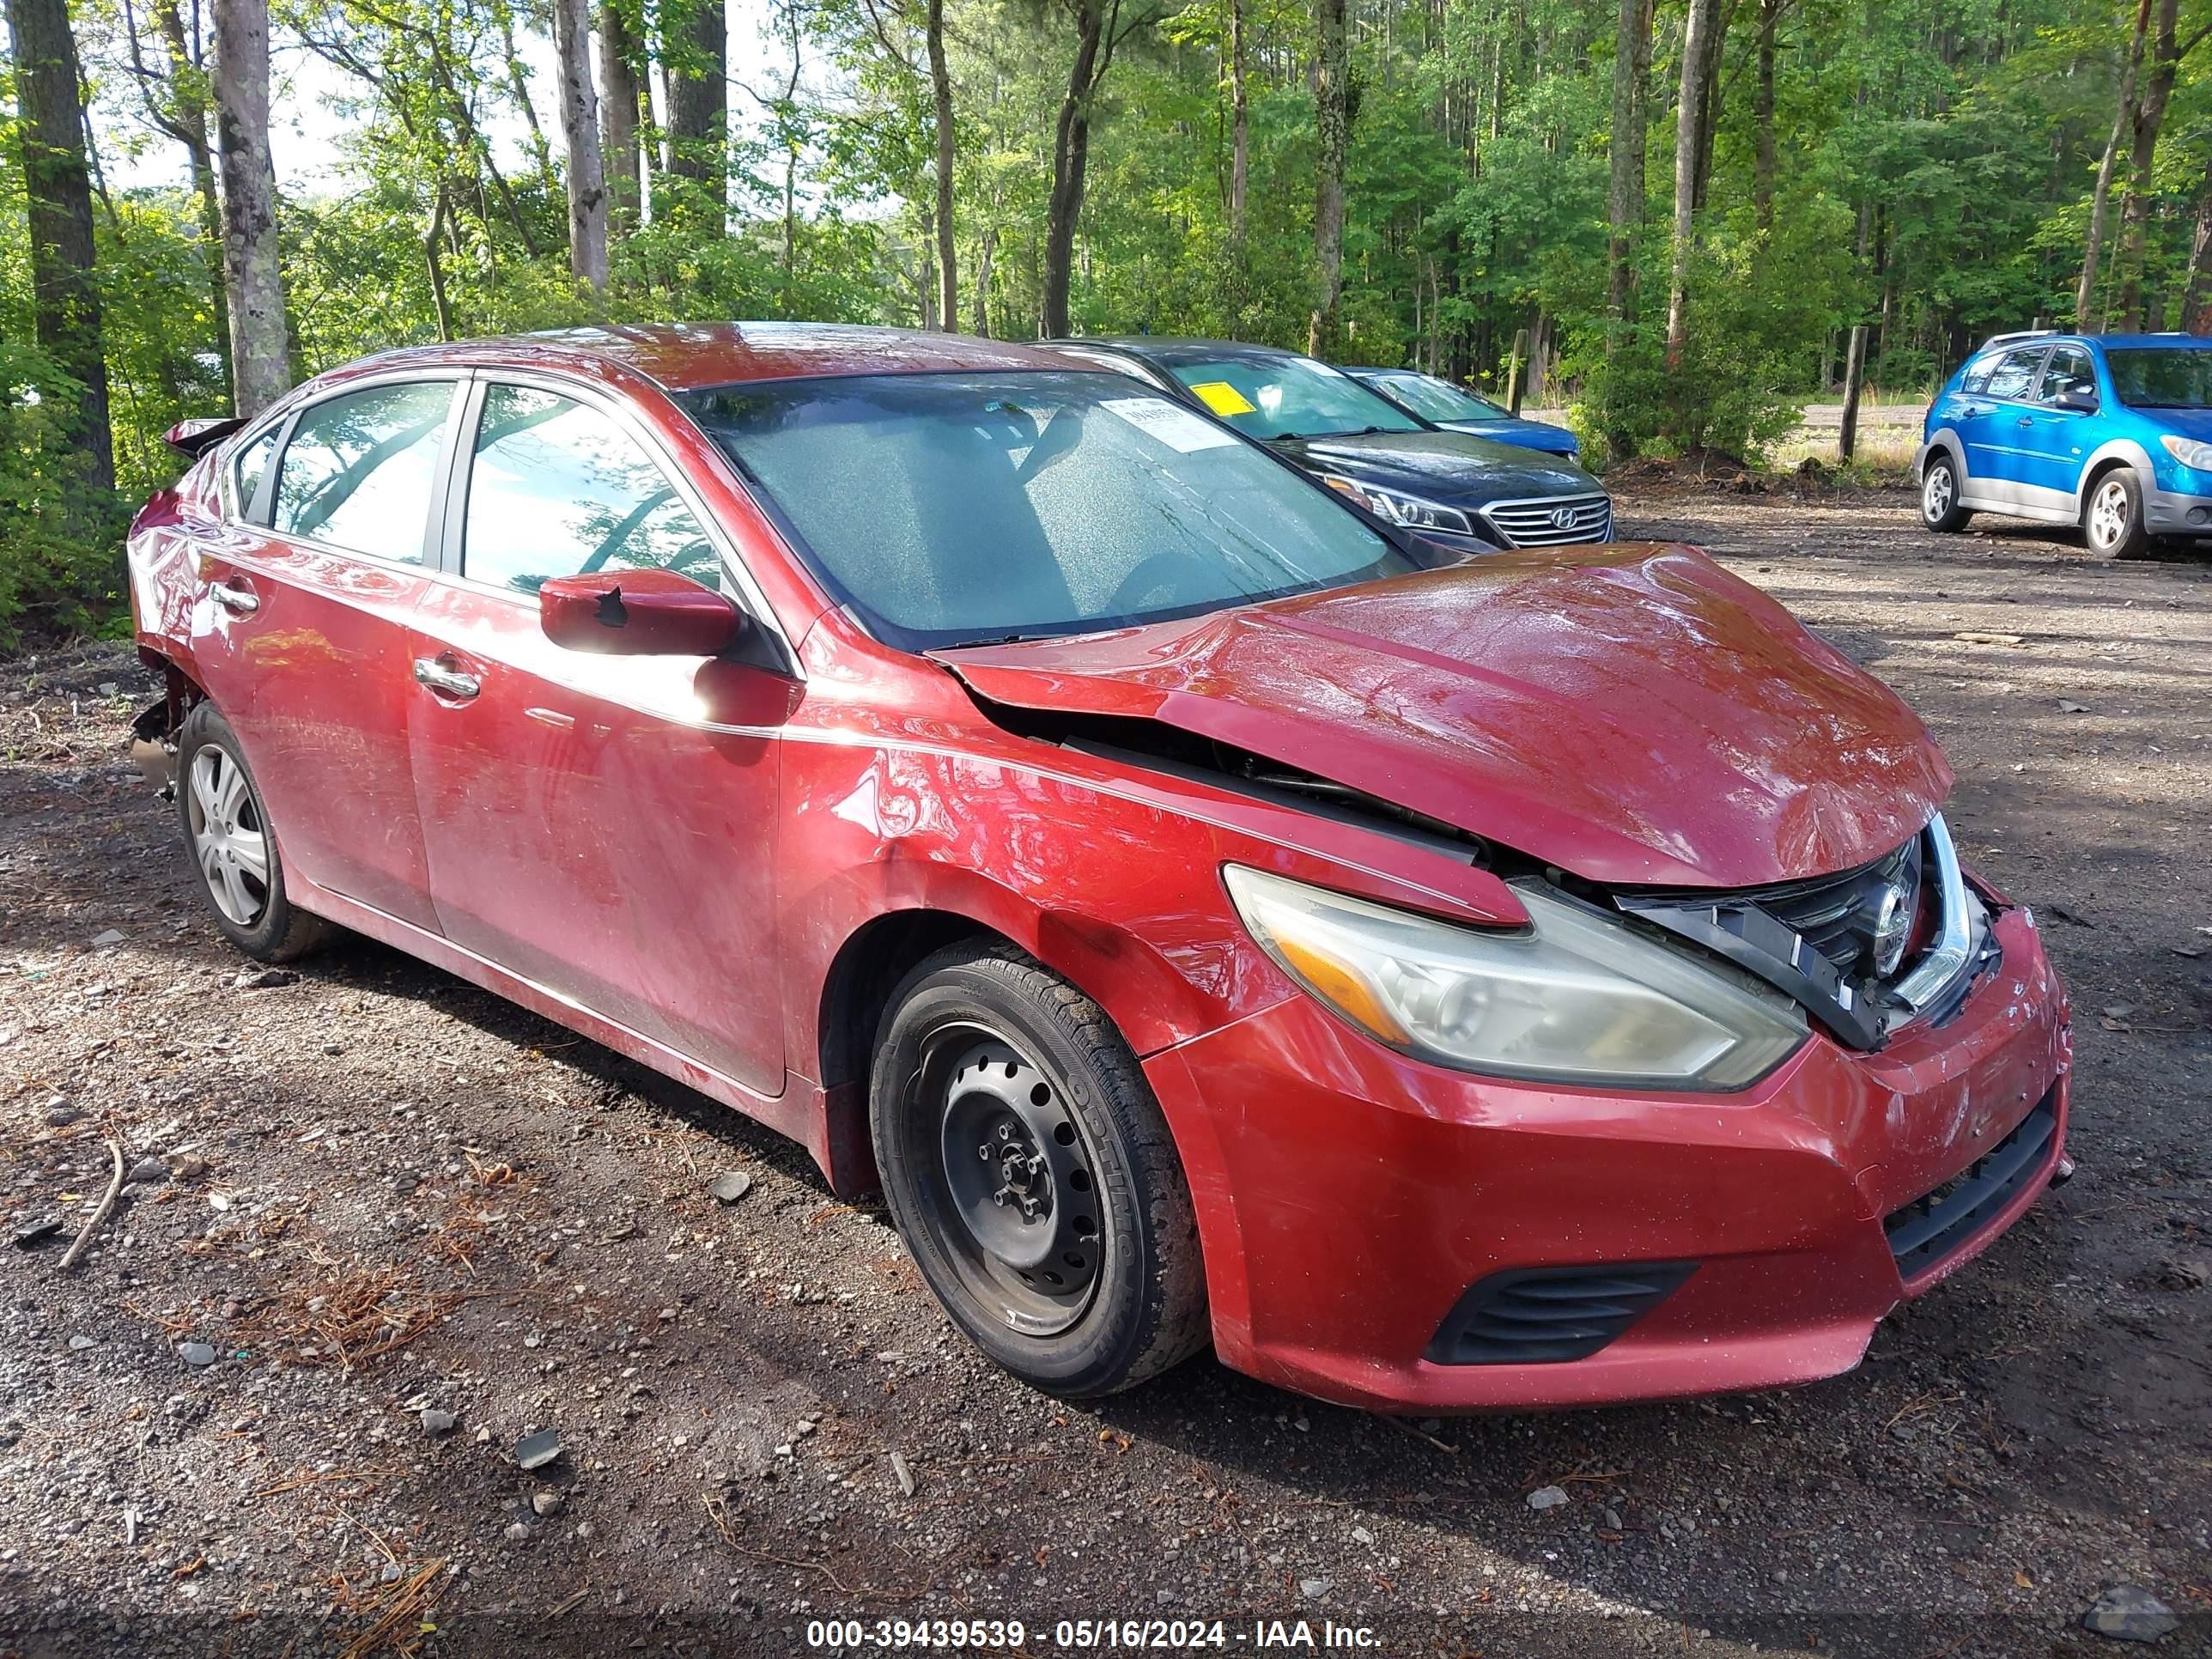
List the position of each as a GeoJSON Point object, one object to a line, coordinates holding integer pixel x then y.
{"type": "Point", "coordinates": [228, 839]}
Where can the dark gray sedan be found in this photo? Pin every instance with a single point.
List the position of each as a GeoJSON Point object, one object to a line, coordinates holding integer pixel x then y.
{"type": "Point", "coordinates": [1447, 485]}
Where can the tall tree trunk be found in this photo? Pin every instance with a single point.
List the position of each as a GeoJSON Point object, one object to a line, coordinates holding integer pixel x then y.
{"type": "Point", "coordinates": [699, 115]}
{"type": "Point", "coordinates": [1332, 85]}
{"type": "Point", "coordinates": [1631, 71]}
{"type": "Point", "coordinates": [1763, 161]}
{"type": "Point", "coordinates": [2085, 292]}
{"type": "Point", "coordinates": [518, 89]}
{"type": "Point", "coordinates": [2135, 201]}
{"type": "Point", "coordinates": [185, 115]}
{"type": "Point", "coordinates": [1708, 103]}
{"type": "Point", "coordinates": [618, 60]}
{"type": "Point", "coordinates": [2196, 294]}
{"type": "Point", "coordinates": [580, 124]}
{"type": "Point", "coordinates": [984, 253]}
{"type": "Point", "coordinates": [57, 186]}
{"type": "Point", "coordinates": [1240, 166]}
{"type": "Point", "coordinates": [1697, 64]}
{"type": "Point", "coordinates": [1071, 154]}
{"type": "Point", "coordinates": [940, 88]}
{"type": "Point", "coordinates": [260, 344]}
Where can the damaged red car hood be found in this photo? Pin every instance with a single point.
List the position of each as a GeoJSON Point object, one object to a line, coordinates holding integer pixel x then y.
{"type": "Point", "coordinates": [1633, 714]}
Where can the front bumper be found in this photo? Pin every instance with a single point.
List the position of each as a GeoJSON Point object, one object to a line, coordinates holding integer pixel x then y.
{"type": "Point", "coordinates": [1348, 1197]}
{"type": "Point", "coordinates": [2176, 512]}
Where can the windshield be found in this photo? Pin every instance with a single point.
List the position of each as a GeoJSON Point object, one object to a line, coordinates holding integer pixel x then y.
{"type": "Point", "coordinates": [1439, 400]}
{"type": "Point", "coordinates": [964, 509]}
{"type": "Point", "coordinates": [1291, 397]}
{"type": "Point", "coordinates": [2163, 377]}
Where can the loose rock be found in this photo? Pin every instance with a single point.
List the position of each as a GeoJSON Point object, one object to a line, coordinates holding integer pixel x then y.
{"type": "Point", "coordinates": [902, 1474]}
{"type": "Point", "coordinates": [1547, 1498]}
{"type": "Point", "coordinates": [147, 1172]}
{"type": "Point", "coordinates": [195, 1354]}
{"type": "Point", "coordinates": [2128, 1613]}
{"type": "Point", "coordinates": [436, 1423]}
{"type": "Point", "coordinates": [535, 1451]}
{"type": "Point", "coordinates": [730, 1187]}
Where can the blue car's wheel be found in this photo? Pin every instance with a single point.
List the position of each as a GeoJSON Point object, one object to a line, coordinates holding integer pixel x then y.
{"type": "Point", "coordinates": [2113, 515]}
{"type": "Point", "coordinates": [1939, 495]}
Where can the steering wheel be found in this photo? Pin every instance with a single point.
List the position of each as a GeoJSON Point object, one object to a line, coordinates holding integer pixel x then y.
{"type": "Point", "coordinates": [1151, 571]}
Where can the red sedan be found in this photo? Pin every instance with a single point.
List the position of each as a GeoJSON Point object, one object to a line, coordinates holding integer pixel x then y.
{"type": "Point", "coordinates": [1205, 912]}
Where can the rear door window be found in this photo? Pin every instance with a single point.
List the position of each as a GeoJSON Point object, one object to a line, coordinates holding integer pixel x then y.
{"type": "Point", "coordinates": [359, 470]}
{"type": "Point", "coordinates": [557, 489]}
{"type": "Point", "coordinates": [246, 474]}
{"type": "Point", "coordinates": [2015, 377]}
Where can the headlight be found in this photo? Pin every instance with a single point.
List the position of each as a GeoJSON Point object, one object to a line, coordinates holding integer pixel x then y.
{"type": "Point", "coordinates": [1399, 508]}
{"type": "Point", "coordinates": [2189, 452]}
{"type": "Point", "coordinates": [1577, 998]}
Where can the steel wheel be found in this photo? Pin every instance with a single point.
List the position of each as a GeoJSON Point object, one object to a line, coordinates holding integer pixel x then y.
{"type": "Point", "coordinates": [228, 839]}
{"type": "Point", "coordinates": [2111, 513]}
{"type": "Point", "coordinates": [1013, 1181]}
{"type": "Point", "coordinates": [1029, 1168]}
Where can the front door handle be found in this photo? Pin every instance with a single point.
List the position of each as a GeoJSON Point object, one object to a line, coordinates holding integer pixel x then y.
{"type": "Point", "coordinates": [2027, 420]}
{"type": "Point", "coordinates": [241, 600]}
{"type": "Point", "coordinates": [446, 682]}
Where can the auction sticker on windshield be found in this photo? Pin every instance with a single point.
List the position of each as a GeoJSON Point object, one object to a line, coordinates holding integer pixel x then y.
{"type": "Point", "coordinates": [1223, 398]}
{"type": "Point", "coordinates": [1178, 428]}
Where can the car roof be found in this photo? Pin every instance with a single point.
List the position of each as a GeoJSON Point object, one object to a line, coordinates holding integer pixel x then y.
{"type": "Point", "coordinates": [691, 356]}
{"type": "Point", "coordinates": [2029, 339]}
{"type": "Point", "coordinates": [1154, 348]}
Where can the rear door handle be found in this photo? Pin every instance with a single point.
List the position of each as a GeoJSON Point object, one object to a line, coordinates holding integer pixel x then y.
{"type": "Point", "coordinates": [446, 682]}
{"type": "Point", "coordinates": [2027, 420]}
{"type": "Point", "coordinates": [242, 600]}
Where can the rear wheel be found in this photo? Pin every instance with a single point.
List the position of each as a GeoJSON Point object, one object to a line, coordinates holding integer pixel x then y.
{"type": "Point", "coordinates": [1939, 495]}
{"type": "Point", "coordinates": [233, 851]}
{"type": "Point", "coordinates": [2113, 515]}
{"type": "Point", "coordinates": [1027, 1164]}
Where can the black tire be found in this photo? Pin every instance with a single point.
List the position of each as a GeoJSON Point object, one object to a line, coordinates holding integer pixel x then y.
{"type": "Point", "coordinates": [982, 1039]}
{"type": "Point", "coordinates": [2113, 515]}
{"type": "Point", "coordinates": [271, 928]}
{"type": "Point", "coordinates": [1939, 494]}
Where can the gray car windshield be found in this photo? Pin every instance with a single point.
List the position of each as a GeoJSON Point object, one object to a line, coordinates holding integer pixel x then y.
{"type": "Point", "coordinates": [1438, 399]}
{"type": "Point", "coordinates": [2161, 377]}
{"type": "Point", "coordinates": [1291, 397]}
{"type": "Point", "coordinates": [961, 509]}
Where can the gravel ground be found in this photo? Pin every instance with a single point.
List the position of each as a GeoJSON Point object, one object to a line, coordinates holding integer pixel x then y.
{"type": "Point", "coordinates": [376, 1195]}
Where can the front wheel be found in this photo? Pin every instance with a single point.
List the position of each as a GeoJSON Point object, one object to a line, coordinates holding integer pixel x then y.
{"type": "Point", "coordinates": [1027, 1167]}
{"type": "Point", "coordinates": [2113, 517]}
{"type": "Point", "coordinates": [1938, 496]}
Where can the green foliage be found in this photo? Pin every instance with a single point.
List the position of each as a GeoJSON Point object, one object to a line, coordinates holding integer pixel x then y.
{"type": "Point", "coordinates": [1932, 167]}
{"type": "Point", "coordinates": [60, 568]}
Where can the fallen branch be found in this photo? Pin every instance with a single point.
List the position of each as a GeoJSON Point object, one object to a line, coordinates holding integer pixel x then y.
{"type": "Point", "coordinates": [107, 1205]}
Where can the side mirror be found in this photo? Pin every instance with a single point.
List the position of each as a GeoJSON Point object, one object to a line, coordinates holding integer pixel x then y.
{"type": "Point", "coordinates": [638, 613]}
{"type": "Point", "coordinates": [2083, 400]}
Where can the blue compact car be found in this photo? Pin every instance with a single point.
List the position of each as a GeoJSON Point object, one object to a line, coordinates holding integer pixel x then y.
{"type": "Point", "coordinates": [1457, 410]}
{"type": "Point", "coordinates": [2111, 432]}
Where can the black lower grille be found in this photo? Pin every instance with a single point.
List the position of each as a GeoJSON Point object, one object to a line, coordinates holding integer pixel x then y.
{"type": "Point", "coordinates": [1534, 1315]}
{"type": "Point", "coordinates": [1929, 1228]}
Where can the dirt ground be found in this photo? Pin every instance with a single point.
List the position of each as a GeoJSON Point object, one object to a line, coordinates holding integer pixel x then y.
{"type": "Point", "coordinates": [378, 1193]}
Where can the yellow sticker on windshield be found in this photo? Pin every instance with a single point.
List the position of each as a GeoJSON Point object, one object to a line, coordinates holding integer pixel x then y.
{"type": "Point", "coordinates": [1222, 397]}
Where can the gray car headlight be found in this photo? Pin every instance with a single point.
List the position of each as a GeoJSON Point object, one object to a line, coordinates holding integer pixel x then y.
{"type": "Point", "coordinates": [1413, 512]}
{"type": "Point", "coordinates": [1575, 998]}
